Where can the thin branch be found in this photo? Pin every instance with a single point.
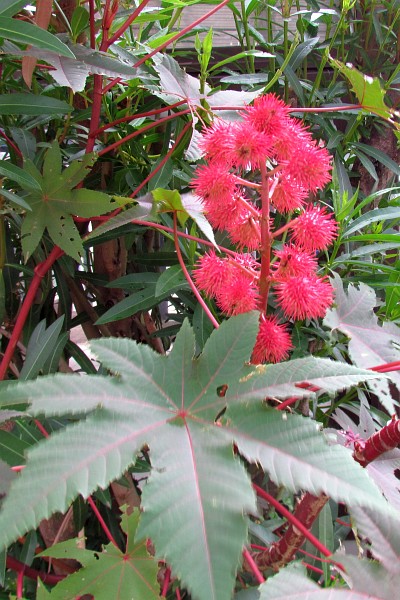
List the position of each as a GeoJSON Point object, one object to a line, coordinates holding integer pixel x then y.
{"type": "Point", "coordinates": [189, 279]}
{"type": "Point", "coordinates": [127, 23]}
{"type": "Point", "coordinates": [128, 118]}
{"type": "Point", "coordinates": [166, 582]}
{"type": "Point", "coordinates": [282, 552]}
{"type": "Point", "coordinates": [20, 567]}
{"type": "Point", "coordinates": [253, 566]}
{"type": "Point", "coordinates": [181, 33]}
{"type": "Point", "coordinates": [102, 522]}
{"type": "Point", "coordinates": [140, 131]}
{"type": "Point", "coordinates": [162, 162]}
{"type": "Point", "coordinates": [40, 271]}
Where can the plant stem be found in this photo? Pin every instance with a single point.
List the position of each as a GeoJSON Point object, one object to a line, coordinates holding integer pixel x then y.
{"type": "Point", "coordinates": [162, 162]}
{"type": "Point", "coordinates": [308, 509]}
{"type": "Point", "coordinates": [40, 271]}
{"type": "Point", "coordinates": [140, 131]}
{"type": "Point", "coordinates": [102, 522]}
{"type": "Point", "coordinates": [266, 240]}
{"type": "Point", "coordinates": [189, 279]}
{"type": "Point", "coordinates": [149, 113]}
{"type": "Point", "coordinates": [181, 33]}
{"type": "Point", "coordinates": [380, 442]}
{"type": "Point", "coordinates": [18, 566]}
{"type": "Point", "coordinates": [127, 23]}
{"type": "Point", "coordinates": [253, 566]}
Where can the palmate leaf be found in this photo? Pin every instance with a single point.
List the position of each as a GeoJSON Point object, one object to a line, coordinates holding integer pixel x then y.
{"type": "Point", "coordinates": [371, 343]}
{"type": "Point", "coordinates": [292, 583]}
{"type": "Point", "coordinates": [368, 90]}
{"type": "Point", "coordinates": [54, 204]}
{"type": "Point", "coordinates": [195, 501]}
{"type": "Point", "coordinates": [109, 574]}
{"type": "Point", "coordinates": [382, 531]}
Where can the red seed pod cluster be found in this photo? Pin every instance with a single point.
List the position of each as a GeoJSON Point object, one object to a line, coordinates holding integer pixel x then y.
{"type": "Point", "coordinates": [266, 163]}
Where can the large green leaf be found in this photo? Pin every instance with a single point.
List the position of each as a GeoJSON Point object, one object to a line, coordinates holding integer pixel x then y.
{"type": "Point", "coordinates": [368, 90]}
{"type": "Point", "coordinates": [53, 207]}
{"type": "Point", "coordinates": [73, 72]}
{"type": "Point", "coordinates": [371, 343]}
{"type": "Point", "coordinates": [292, 583]}
{"type": "Point", "coordinates": [382, 531]}
{"type": "Point", "coordinates": [111, 573]}
{"type": "Point", "coordinates": [198, 493]}
{"type": "Point", "coordinates": [26, 33]}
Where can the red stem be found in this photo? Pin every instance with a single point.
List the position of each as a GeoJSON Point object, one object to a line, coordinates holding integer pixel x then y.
{"type": "Point", "coordinates": [40, 271]}
{"type": "Point", "coordinates": [251, 563]}
{"type": "Point", "coordinates": [265, 240]}
{"type": "Point", "coordinates": [41, 429]}
{"type": "Point", "coordinates": [127, 23]}
{"type": "Point", "coordinates": [181, 33]}
{"type": "Point", "coordinates": [387, 367]}
{"type": "Point", "coordinates": [293, 520]}
{"type": "Point", "coordinates": [380, 442]}
{"type": "Point", "coordinates": [167, 581]}
{"type": "Point", "coordinates": [20, 584]}
{"type": "Point", "coordinates": [110, 85]}
{"type": "Point", "coordinates": [20, 567]}
{"type": "Point", "coordinates": [11, 143]}
{"type": "Point", "coordinates": [128, 118]}
{"type": "Point", "coordinates": [102, 522]}
{"type": "Point", "coordinates": [96, 111]}
{"type": "Point", "coordinates": [92, 24]}
{"type": "Point", "coordinates": [162, 162]}
{"type": "Point", "coordinates": [189, 279]}
{"type": "Point", "coordinates": [138, 132]}
{"type": "Point", "coordinates": [182, 234]}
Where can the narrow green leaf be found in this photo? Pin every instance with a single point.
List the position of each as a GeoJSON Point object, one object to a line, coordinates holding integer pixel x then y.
{"type": "Point", "coordinates": [202, 326]}
{"type": "Point", "coordinates": [26, 33]}
{"type": "Point", "coordinates": [381, 529]}
{"type": "Point", "coordinates": [79, 20]}
{"type": "Point", "coordinates": [141, 211]}
{"type": "Point", "coordinates": [142, 300]}
{"type": "Point", "coordinates": [170, 280]}
{"type": "Point", "coordinates": [7, 169]}
{"type": "Point", "coordinates": [197, 505]}
{"type": "Point", "coordinates": [9, 8]}
{"type": "Point", "coordinates": [31, 104]}
{"type": "Point", "coordinates": [40, 348]}
{"type": "Point", "coordinates": [378, 214]}
{"type": "Point", "coordinates": [64, 233]}
{"type": "Point", "coordinates": [25, 141]}
{"type": "Point", "coordinates": [379, 156]}
{"type": "Point", "coordinates": [14, 199]}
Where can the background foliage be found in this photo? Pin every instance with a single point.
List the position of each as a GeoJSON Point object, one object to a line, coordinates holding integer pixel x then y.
{"type": "Point", "coordinates": [101, 105]}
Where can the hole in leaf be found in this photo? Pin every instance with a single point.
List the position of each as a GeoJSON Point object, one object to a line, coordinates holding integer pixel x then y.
{"type": "Point", "coordinates": [397, 473]}
{"type": "Point", "coordinates": [221, 390]}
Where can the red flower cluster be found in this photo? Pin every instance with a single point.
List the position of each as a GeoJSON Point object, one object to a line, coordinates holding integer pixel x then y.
{"type": "Point", "coordinates": [275, 157]}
